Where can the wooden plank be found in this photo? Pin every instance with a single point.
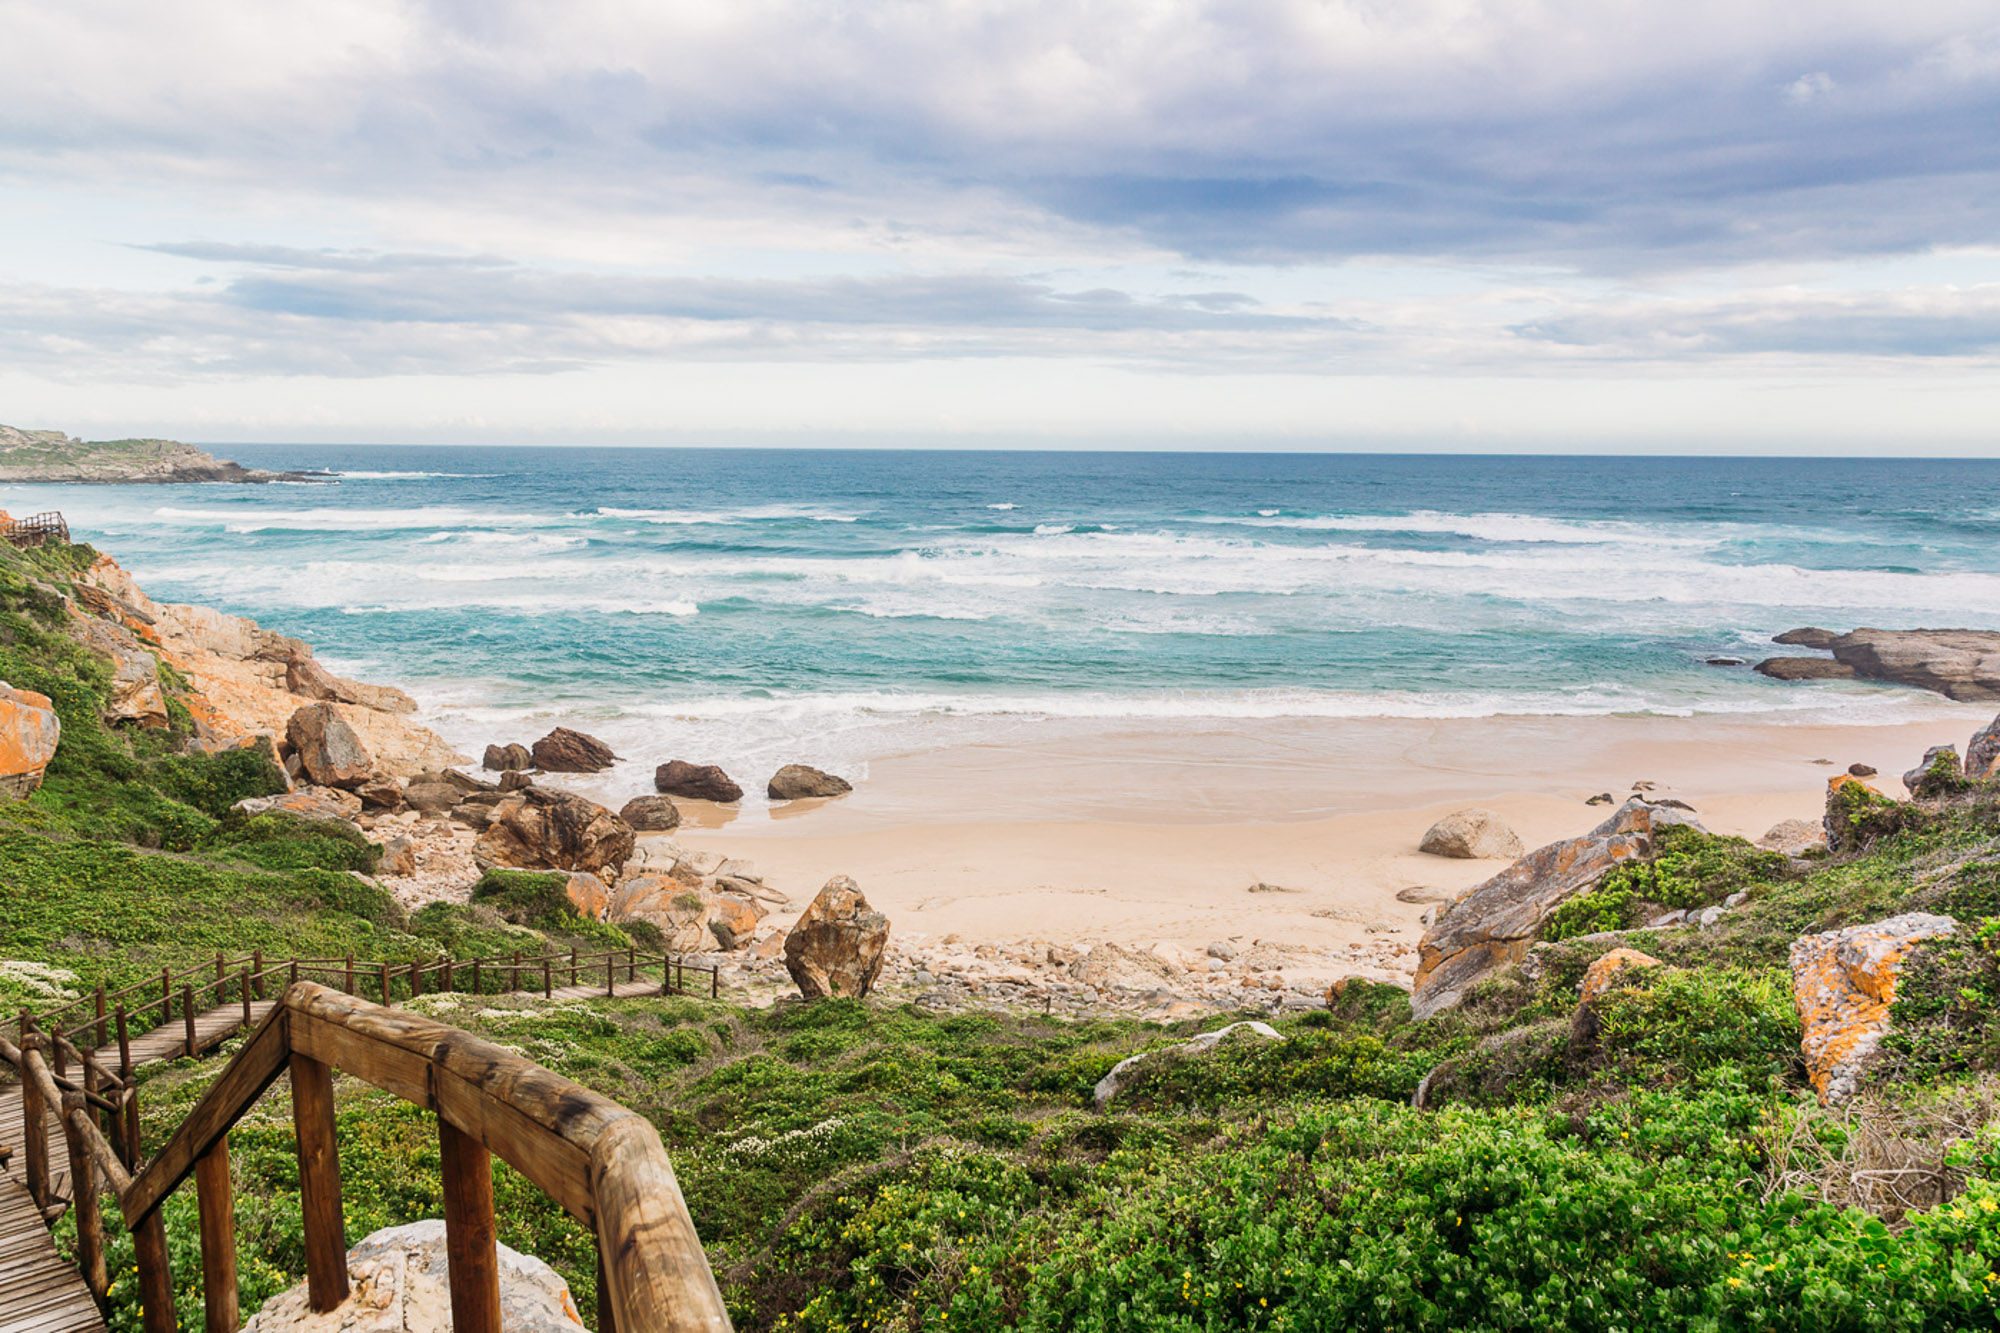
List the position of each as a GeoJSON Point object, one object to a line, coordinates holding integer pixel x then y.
{"type": "Point", "coordinates": [218, 1239]}
{"type": "Point", "coordinates": [472, 1259]}
{"type": "Point", "coordinates": [319, 1183]}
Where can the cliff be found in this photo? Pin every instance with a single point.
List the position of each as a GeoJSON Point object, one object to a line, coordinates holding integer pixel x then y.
{"type": "Point", "coordinates": [51, 456]}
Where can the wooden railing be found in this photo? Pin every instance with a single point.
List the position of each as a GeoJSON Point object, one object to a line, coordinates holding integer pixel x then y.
{"type": "Point", "coordinates": [35, 529]}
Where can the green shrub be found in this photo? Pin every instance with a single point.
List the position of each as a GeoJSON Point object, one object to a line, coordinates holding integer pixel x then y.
{"type": "Point", "coordinates": [1677, 1023]}
{"type": "Point", "coordinates": [281, 840]}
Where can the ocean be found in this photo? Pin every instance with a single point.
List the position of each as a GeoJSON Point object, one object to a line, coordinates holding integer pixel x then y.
{"type": "Point", "coordinates": [837, 606]}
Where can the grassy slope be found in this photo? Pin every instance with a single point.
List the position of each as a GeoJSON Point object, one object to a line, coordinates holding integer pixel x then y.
{"type": "Point", "coordinates": [854, 1167]}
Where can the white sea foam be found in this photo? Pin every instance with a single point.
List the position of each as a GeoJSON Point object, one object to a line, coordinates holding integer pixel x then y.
{"type": "Point", "coordinates": [1003, 506]}
{"type": "Point", "coordinates": [358, 475]}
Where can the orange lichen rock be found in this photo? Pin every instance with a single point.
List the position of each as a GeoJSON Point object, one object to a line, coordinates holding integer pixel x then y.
{"type": "Point", "coordinates": [1843, 982]}
{"type": "Point", "coordinates": [29, 731]}
{"type": "Point", "coordinates": [1598, 978]}
{"type": "Point", "coordinates": [588, 895]}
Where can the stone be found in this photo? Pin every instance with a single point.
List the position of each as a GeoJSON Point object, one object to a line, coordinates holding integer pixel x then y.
{"type": "Point", "coordinates": [306, 803]}
{"type": "Point", "coordinates": [567, 751]}
{"type": "Point", "coordinates": [399, 1283]}
{"type": "Point", "coordinates": [1597, 978]}
{"type": "Point", "coordinates": [696, 782]}
{"type": "Point", "coordinates": [306, 677]}
{"type": "Point", "coordinates": [1709, 917]}
{"type": "Point", "coordinates": [731, 920]}
{"type": "Point", "coordinates": [1602, 798]}
{"type": "Point", "coordinates": [836, 948]}
{"type": "Point", "coordinates": [1805, 668]}
{"type": "Point", "coordinates": [515, 779]}
{"type": "Point", "coordinates": [135, 695]}
{"type": "Point", "coordinates": [1809, 637]}
{"type": "Point", "coordinates": [1843, 982]}
{"type": "Point", "coordinates": [1419, 895]}
{"type": "Point", "coordinates": [540, 829]}
{"type": "Point", "coordinates": [1112, 1083]}
{"type": "Point", "coordinates": [1725, 661]}
{"type": "Point", "coordinates": [1848, 800]}
{"type": "Point", "coordinates": [1221, 950]}
{"type": "Point", "coordinates": [431, 797]}
{"type": "Point", "coordinates": [796, 782]}
{"type": "Point", "coordinates": [589, 895]}
{"type": "Point", "coordinates": [329, 751]}
{"type": "Point", "coordinates": [1861, 770]}
{"type": "Point", "coordinates": [678, 911]}
{"type": "Point", "coordinates": [1493, 924]}
{"type": "Point", "coordinates": [1262, 887]}
{"type": "Point", "coordinates": [29, 734]}
{"type": "Point", "coordinates": [381, 793]}
{"type": "Point", "coordinates": [1736, 899]}
{"type": "Point", "coordinates": [1469, 835]}
{"type": "Point", "coordinates": [651, 814]}
{"type": "Point", "coordinates": [399, 858]}
{"type": "Point", "coordinates": [507, 758]}
{"type": "Point", "coordinates": [1962, 664]}
{"type": "Point", "coordinates": [1665, 919]}
{"type": "Point", "coordinates": [465, 782]}
{"type": "Point", "coordinates": [1795, 837]}
{"type": "Point", "coordinates": [1115, 967]}
{"type": "Point", "coordinates": [1982, 753]}
{"type": "Point", "coordinates": [1940, 774]}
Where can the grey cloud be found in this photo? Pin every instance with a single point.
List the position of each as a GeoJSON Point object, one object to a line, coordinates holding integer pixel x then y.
{"type": "Point", "coordinates": [1941, 323]}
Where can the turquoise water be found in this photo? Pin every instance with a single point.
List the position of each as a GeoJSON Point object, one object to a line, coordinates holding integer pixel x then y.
{"type": "Point", "coordinates": [740, 601]}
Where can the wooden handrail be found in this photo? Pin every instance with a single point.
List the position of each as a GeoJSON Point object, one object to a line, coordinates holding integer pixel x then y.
{"type": "Point", "coordinates": [603, 1163]}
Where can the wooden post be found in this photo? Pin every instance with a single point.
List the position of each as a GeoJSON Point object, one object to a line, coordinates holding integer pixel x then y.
{"type": "Point", "coordinates": [469, 1232]}
{"type": "Point", "coordinates": [572, 965]}
{"type": "Point", "coordinates": [218, 1239]}
{"type": "Point", "coordinates": [156, 1276]}
{"type": "Point", "coordinates": [548, 980]}
{"type": "Point", "coordinates": [187, 1016]}
{"type": "Point", "coordinates": [666, 974]}
{"type": "Point", "coordinates": [350, 974]}
{"type": "Point", "coordinates": [124, 1049]}
{"type": "Point", "coordinates": [714, 983]}
{"type": "Point", "coordinates": [632, 963]}
{"type": "Point", "coordinates": [607, 1317]}
{"type": "Point", "coordinates": [384, 971]}
{"type": "Point", "coordinates": [295, 972]}
{"type": "Point", "coordinates": [134, 1149]}
{"type": "Point", "coordinates": [319, 1183]}
{"type": "Point", "coordinates": [246, 1000]}
{"type": "Point", "coordinates": [166, 996]}
{"type": "Point", "coordinates": [221, 967]}
{"type": "Point", "coordinates": [514, 977]}
{"type": "Point", "coordinates": [475, 978]}
{"type": "Point", "coordinates": [611, 973]}
{"type": "Point", "coordinates": [416, 980]}
{"type": "Point", "coordinates": [57, 1060]}
{"type": "Point", "coordinates": [35, 1137]}
{"type": "Point", "coordinates": [447, 975]}
{"type": "Point", "coordinates": [102, 1034]}
{"type": "Point", "coordinates": [83, 1202]}
{"type": "Point", "coordinates": [257, 966]}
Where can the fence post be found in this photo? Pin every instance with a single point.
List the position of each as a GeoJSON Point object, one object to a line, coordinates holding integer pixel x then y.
{"type": "Point", "coordinates": [257, 966]}
{"type": "Point", "coordinates": [57, 1060]}
{"type": "Point", "coordinates": [128, 1101]}
{"type": "Point", "coordinates": [218, 1239]}
{"type": "Point", "coordinates": [447, 975]}
{"type": "Point", "coordinates": [714, 983]}
{"type": "Point", "coordinates": [83, 1202]}
{"type": "Point", "coordinates": [548, 980]}
{"type": "Point", "coordinates": [476, 990]}
{"type": "Point", "coordinates": [384, 971]}
{"type": "Point", "coordinates": [295, 972]}
{"type": "Point", "coordinates": [34, 1124]}
{"type": "Point", "coordinates": [187, 1016]}
{"type": "Point", "coordinates": [607, 1315]}
{"type": "Point", "coordinates": [514, 977]}
{"type": "Point", "coordinates": [101, 1032]}
{"type": "Point", "coordinates": [124, 1049]}
{"type": "Point", "coordinates": [350, 974]}
{"type": "Point", "coordinates": [221, 967]}
{"type": "Point", "coordinates": [416, 980]}
{"type": "Point", "coordinates": [572, 964]}
{"type": "Point", "coordinates": [319, 1183]}
{"type": "Point", "coordinates": [472, 1263]}
{"type": "Point", "coordinates": [246, 1000]}
{"type": "Point", "coordinates": [666, 974]}
{"type": "Point", "coordinates": [156, 1275]}
{"type": "Point", "coordinates": [166, 996]}
{"type": "Point", "coordinates": [611, 973]}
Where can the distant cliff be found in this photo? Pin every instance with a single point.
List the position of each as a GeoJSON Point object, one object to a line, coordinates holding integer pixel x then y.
{"type": "Point", "coordinates": [51, 456]}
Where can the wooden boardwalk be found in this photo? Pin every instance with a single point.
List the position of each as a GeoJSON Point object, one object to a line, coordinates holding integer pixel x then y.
{"type": "Point", "coordinates": [39, 1291]}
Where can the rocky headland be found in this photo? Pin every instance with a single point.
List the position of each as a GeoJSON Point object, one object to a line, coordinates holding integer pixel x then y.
{"type": "Point", "coordinates": [50, 456]}
{"type": "Point", "coordinates": [1962, 664]}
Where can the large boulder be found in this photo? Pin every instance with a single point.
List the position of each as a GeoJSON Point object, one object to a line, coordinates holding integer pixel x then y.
{"type": "Point", "coordinates": [1795, 837]}
{"type": "Point", "coordinates": [1493, 924]}
{"type": "Point", "coordinates": [329, 751]}
{"type": "Point", "coordinates": [566, 751]}
{"type": "Point", "coordinates": [1597, 978]}
{"type": "Point", "coordinates": [1470, 835]}
{"type": "Point", "coordinates": [696, 782]}
{"type": "Point", "coordinates": [1843, 982]}
{"type": "Point", "coordinates": [1982, 754]}
{"type": "Point", "coordinates": [1940, 774]}
{"type": "Point", "coordinates": [507, 758]}
{"type": "Point", "coordinates": [135, 695]}
{"type": "Point", "coordinates": [589, 895]}
{"type": "Point", "coordinates": [305, 676]}
{"type": "Point", "coordinates": [1109, 967]}
{"type": "Point", "coordinates": [796, 782]}
{"type": "Point", "coordinates": [540, 829]}
{"type": "Point", "coordinates": [1809, 637]}
{"type": "Point", "coordinates": [1805, 668]}
{"type": "Point", "coordinates": [29, 733]}
{"type": "Point", "coordinates": [431, 796]}
{"type": "Point", "coordinates": [689, 919]}
{"type": "Point", "coordinates": [306, 803]}
{"type": "Point", "coordinates": [1960, 664]}
{"type": "Point", "coordinates": [399, 1280]}
{"type": "Point", "coordinates": [836, 947]}
{"type": "Point", "coordinates": [651, 814]}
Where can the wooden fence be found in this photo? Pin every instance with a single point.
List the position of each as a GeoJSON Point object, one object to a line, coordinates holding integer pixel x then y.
{"type": "Point", "coordinates": [35, 529]}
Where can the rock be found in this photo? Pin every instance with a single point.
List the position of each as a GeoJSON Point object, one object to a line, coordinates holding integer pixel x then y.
{"type": "Point", "coordinates": [731, 920]}
{"type": "Point", "coordinates": [1665, 919]}
{"type": "Point", "coordinates": [1222, 950]}
{"type": "Point", "coordinates": [1261, 887]}
{"type": "Point", "coordinates": [651, 814]}
{"type": "Point", "coordinates": [739, 869]}
{"type": "Point", "coordinates": [1843, 982]}
{"type": "Point", "coordinates": [1861, 770]}
{"type": "Point", "coordinates": [1736, 899]}
{"type": "Point", "coordinates": [679, 911]}
{"type": "Point", "coordinates": [329, 751]}
{"type": "Point", "coordinates": [1709, 917]}
{"type": "Point", "coordinates": [399, 858]}
{"type": "Point", "coordinates": [307, 803]}
{"type": "Point", "coordinates": [515, 779]}
{"type": "Point", "coordinates": [304, 676]}
{"type": "Point", "coordinates": [837, 946]}
{"type": "Point", "coordinates": [1725, 661]}
{"type": "Point", "coordinates": [464, 782]}
{"type": "Point", "coordinates": [29, 734]}
{"type": "Point", "coordinates": [1110, 1085]}
{"type": "Point", "coordinates": [1602, 798]}
{"type": "Point", "coordinates": [431, 797]}
{"type": "Point", "coordinates": [589, 895]}
{"type": "Point", "coordinates": [1598, 977]}
{"type": "Point", "coordinates": [1420, 895]}
{"type": "Point", "coordinates": [1809, 637]}
{"type": "Point", "coordinates": [1795, 837]}
{"type": "Point", "coordinates": [1493, 924]}
{"type": "Point", "coordinates": [399, 1284]}
{"type": "Point", "coordinates": [1982, 753]}
{"type": "Point", "coordinates": [507, 758]}
{"type": "Point", "coordinates": [1114, 967]}
{"type": "Point", "coordinates": [1940, 774]}
{"type": "Point", "coordinates": [697, 782]}
{"type": "Point", "coordinates": [539, 829]}
{"type": "Point", "coordinates": [477, 810]}
{"type": "Point", "coordinates": [135, 695]}
{"type": "Point", "coordinates": [1961, 664]}
{"type": "Point", "coordinates": [1469, 835]}
{"type": "Point", "coordinates": [1850, 802]}
{"type": "Point", "coordinates": [566, 751]}
{"type": "Point", "coordinates": [1805, 668]}
{"type": "Point", "coordinates": [796, 782]}
{"type": "Point", "coordinates": [381, 794]}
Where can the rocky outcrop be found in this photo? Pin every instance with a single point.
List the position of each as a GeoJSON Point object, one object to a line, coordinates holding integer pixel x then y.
{"type": "Point", "coordinates": [837, 944]}
{"type": "Point", "coordinates": [1843, 982]}
{"type": "Point", "coordinates": [690, 919]}
{"type": "Point", "coordinates": [306, 803]}
{"type": "Point", "coordinates": [1805, 668]}
{"type": "Point", "coordinates": [695, 782]}
{"type": "Point", "coordinates": [328, 749]}
{"type": "Point", "coordinates": [589, 895]}
{"type": "Point", "coordinates": [305, 677]}
{"type": "Point", "coordinates": [1854, 809]}
{"type": "Point", "coordinates": [539, 829]}
{"type": "Point", "coordinates": [1809, 637]}
{"type": "Point", "coordinates": [507, 758]}
{"type": "Point", "coordinates": [1982, 754]}
{"type": "Point", "coordinates": [29, 734]}
{"type": "Point", "coordinates": [399, 1283]}
{"type": "Point", "coordinates": [1493, 924]}
{"type": "Point", "coordinates": [1597, 978]}
{"type": "Point", "coordinates": [51, 456]}
{"type": "Point", "coordinates": [796, 782]}
{"type": "Point", "coordinates": [1468, 835]}
{"type": "Point", "coordinates": [135, 695]}
{"type": "Point", "coordinates": [1109, 967]}
{"type": "Point", "coordinates": [1113, 1083]}
{"type": "Point", "coordinates": [567, 751]}
{"type": "Point", "coordinates": [1940, 774]}
{"type": "Point", "coordinates": [399, 858]}
{"type": "Point", "coordinates": [1795, 837]}
{"type": "Point", "coordinates": [1960, 664]}
{"type": "Point", "coordinates": [651, 814]}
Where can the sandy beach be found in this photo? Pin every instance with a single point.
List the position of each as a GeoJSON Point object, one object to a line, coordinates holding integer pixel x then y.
{"type": "Point", "coordinates": [1154, 838]}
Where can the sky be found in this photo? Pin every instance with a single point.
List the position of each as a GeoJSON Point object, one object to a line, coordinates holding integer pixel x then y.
{"type": "Point", "coordinates": [1696, 225]}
